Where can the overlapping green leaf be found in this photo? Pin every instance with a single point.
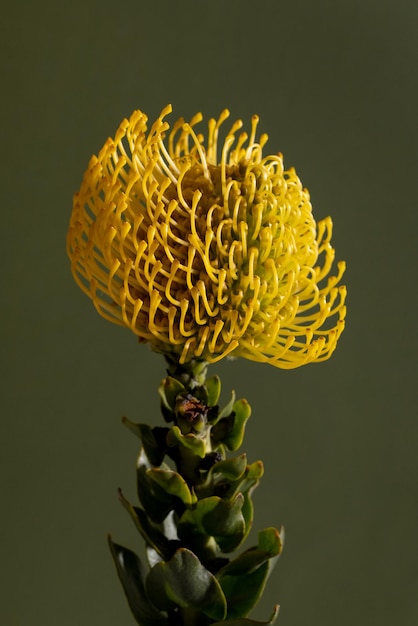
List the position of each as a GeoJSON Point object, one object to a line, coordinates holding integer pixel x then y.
{"type": "Point", "coordinates": [132, 574]}
{"type": "Point", "coordinates": [190, 441]}
{"type": "Point", "coordinates": [150, 532]}
{"type": "Point", "coordinates": [243, 592]}
{"type": "Point", "coordinates": [185, 582]}
{"type": "Point", "coordinates": [249, 479]}
{"type": "Point", "coordinates": [171, 483]}
{"type": "Point", "coordinates": [230, 469]}
{"type": "Point", "coordinates": [155, 500]}
{"type": "Point", "coordinates": [229, 430]}
{"type": "Point", "coordinates": [243, 580]}
{"type": "Point", "coordinates": [153, 440]}
{"type": "Point", "coordinates": [217, 518]}
{"type": "Point", "coordinates": [270, 545]}
{"type": "Point", "coordinates": [168, 390]}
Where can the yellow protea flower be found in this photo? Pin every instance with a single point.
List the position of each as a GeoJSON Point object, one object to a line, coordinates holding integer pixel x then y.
{"type": "Point", "coordinates": [206, 250]}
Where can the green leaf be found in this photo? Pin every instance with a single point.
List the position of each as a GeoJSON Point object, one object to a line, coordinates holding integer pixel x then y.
{"type": "Point", "coordinates": [270, 545]}
{"type": "Point", "coordinates": [271, 540]}
{"type": "Point", "coordinates": [217, 518]}
{"type": "Point", "coordinates": [184, 582]}
{"type": "Point", "coordinates": [230, 469]}
{"type": "Point", "coordinates": [153, 440]}
{"type": "Point", "coordinates": [132, 426]}
{"type": "Point", "coordinates": [254, 473]}
{"type": "Point", "coordinates": [243, 580]}
{"type": "Point", "coordinates": [226, 487]}
{"type": "Point", "coordinates": [168, 390]}
{"type": "Point", "coordinates": [243, 592]}
{"type": "Point", "coordinates": [250, 478]}
{"type": "Point", "coordinates": [227, 410]}
{"type": "Point", "coordinates": [220, 475]}
{"type": "Point", "coordinates": [168, 529]}
{"type": "Point", "coordinates": [225, 522]}
{"type": "Point", "coordinates": [154, 443]}
{"type": "Point", "coordinates": [213, 387]}
{"type": "Point", "coordinates": [190, 441]}
{"type": "Point", "coordinates": [229, 430]}
{"type": "Point", "coordinates": [173, 484]}
{"type": "Point", "coordinates": [155, 500]}
{"type": "Point", "coordinates": [152, 535]}
{"type": "Point", "coordinates": [243, 621]}
{"type": "Point", "coordinates": [242, 412]}
{"type": "Point", "coordinates": [131, 573]}
{"type": "Point", "coordinates": [248, 512]}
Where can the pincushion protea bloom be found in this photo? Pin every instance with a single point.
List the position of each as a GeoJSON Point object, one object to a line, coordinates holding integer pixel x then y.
{"type": "Point", "coordinates": [206, 250]}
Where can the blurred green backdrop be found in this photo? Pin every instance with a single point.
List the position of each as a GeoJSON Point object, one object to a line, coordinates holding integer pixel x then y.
{"type": "Point", "coordinates": [335, 85]}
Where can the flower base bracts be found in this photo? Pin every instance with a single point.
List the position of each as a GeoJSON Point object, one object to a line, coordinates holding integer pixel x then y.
{"type": "Point", "coordinates": [192, 516]}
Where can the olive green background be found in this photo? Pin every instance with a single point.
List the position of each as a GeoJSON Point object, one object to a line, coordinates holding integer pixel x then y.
{"type": "Point", "coordinates": [335, 85]}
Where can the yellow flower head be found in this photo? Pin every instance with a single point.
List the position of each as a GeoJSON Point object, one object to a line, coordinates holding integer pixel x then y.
{"type": "Point", "coordinates": [205, 250]}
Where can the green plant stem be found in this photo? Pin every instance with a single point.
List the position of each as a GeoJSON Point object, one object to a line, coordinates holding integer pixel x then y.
{"type": "Point", "coordinates": [194, 515]}
{"type": "Point", "coordinates": [191, 375]}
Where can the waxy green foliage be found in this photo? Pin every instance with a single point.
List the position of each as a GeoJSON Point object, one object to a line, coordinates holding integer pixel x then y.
{"type": "Point", "coordinates": [196, 509]}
